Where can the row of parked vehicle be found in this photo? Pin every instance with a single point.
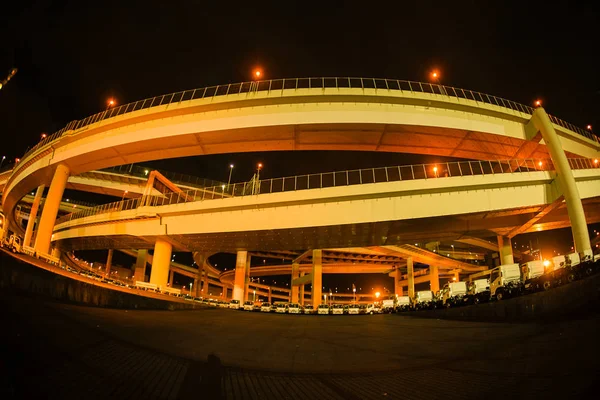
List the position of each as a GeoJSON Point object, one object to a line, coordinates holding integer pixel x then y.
{"type": "Point", "coordinates": [296, 308]}
{"type": "Point", "coordinates": [504, 281]}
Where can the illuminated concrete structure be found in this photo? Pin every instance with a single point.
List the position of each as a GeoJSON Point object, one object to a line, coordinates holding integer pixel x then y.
{"type": "Point", "coordinates": [33, 215]}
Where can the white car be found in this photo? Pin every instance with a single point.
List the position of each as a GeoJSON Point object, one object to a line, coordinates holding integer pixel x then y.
{"type": "Point", "coordinates": [337, 309]}
{"type": "Point", "coordinates": [354, 309]}
{"type": "Point", "coordinates": [223, 304]}
{"type": "Point", "coordinates": [265, 307]}
{"type": "Point", "coordinates": [372, 309]}
{"type": "Point", "coordinates": [248, 306]}
{"type": "Point", "coordinates": [294, 308]}
{"type": "Point", "coordinates": [323, 309]}
{"type": "Point", "coordinates": [281, 308]}
{"type": "Point", "coordinates": [234, 304]}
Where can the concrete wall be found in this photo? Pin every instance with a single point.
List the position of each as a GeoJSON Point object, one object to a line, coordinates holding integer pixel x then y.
{"type": "Point", "coordinates": [20, 277]}
{"type": "Point", "coordinates": [574, 299]}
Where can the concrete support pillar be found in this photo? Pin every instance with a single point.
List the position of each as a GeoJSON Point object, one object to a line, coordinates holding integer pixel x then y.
{"type": "Point", "coordinates": [457, 275]}
{"type": "Point", "coordinates": [196, 288]}
{"type": "Point", "coordinates": [505, 250]}
{"type": "Point", "coordinates": [57, 188]}
{"type": "Point", "coordinates": [240, 275]}
{"type": "Point", "coordinates": [411, 277]}
{"type": "Point", "coordinates": [317, 278]}
{"type": "Point", "coordinates": [55, 252]}
{"type": "Point", "coordinates": [205, 284]}
{"type": "Point", "coordinates": [301, 290]}
{"type": "Point", "coordinates": [171, 276]}
{"type": "Point", "coordinates": [139, 274]}
{"type": "Point", "coordinates": [161, 261]}
{"type": "Point", "coordinates": [33, 215]}
{"type": "Point", "coordinates": [397, 284]}
{"type": "Point", "coordinates": [247, 279]}
{"type": "Point", "coordinates": [566, 182]}
{"type": "Point", "coordinates": [434, 278]}
{"type": "Point", "coordinates": [295, 288]}
{"type": "Point", "coordinates": [108, 262]}
{"type": "Point", "coordinates": [269, 295]}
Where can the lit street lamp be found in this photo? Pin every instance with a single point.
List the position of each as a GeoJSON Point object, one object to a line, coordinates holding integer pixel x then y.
{"type": "Point", "coordinates": [435, 170]}
{"type": "Point", "coordinates": [191, 285]}
{"type": "Point", "coordinates": [2, 162]}
{"type": "Point", "coordinates": [230, 171]}
{"type": "Point", "coordinates": [254, 292]}
{"type": "Point", "coordinates": [124, 193]}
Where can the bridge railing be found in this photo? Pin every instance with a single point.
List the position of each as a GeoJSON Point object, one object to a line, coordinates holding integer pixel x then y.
{"type": "Point", "coordinates": [275, 85]}
{"type": "Point", "coordinates": [143, 172]}
{"type": "Point", "coordinates": [334, 179]}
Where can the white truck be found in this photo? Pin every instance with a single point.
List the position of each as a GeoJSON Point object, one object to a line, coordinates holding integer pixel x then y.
{"type": "Point", "coordinates": [13, 242]}
{"type": "Point", "coordinates": [424, 300]}
{"type": "Point", "coordinates": [505, 281]}
{"type": "Point", "coordinates": [402, 303]}
{"type": "Point", "coordinates": [453, 294]}
{"type": "Point", "coordinates": [478, 291]}
{"type": "Point", "coordinates": [388, 305]}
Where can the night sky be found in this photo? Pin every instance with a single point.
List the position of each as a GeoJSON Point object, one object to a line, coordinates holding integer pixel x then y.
{"type": "Point", "coordinates": [74, 55]}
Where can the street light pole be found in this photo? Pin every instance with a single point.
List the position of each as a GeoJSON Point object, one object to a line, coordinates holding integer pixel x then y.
{"type": "Point", "coordinates": [230, 171]}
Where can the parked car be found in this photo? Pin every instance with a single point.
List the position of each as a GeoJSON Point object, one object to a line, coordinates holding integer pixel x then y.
{"type": "Point", "coordinates": [281, 308]}
{"type": "Point", "coordinates": [337, 309]}
{"type": "Point", "coordinates": [248, 306]}
{"type": "Point", "coordinates": [223, 304]}
{"type": "Point", "coordinates": [234, 304]}
{"type": "Point", "coordinates": [265, 307]}
{"type": "Point", "coordinates": [354, 309]}
{"type": "Point", "coordinates": [323, 309]}
{"type": "Point", "coordinates": [294, 308]}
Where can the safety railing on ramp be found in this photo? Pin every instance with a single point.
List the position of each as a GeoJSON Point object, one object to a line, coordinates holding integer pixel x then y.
{"type": "Point", "coordinates": [275, 85]}
{"type": "Point", "coordinates": [339, 178]}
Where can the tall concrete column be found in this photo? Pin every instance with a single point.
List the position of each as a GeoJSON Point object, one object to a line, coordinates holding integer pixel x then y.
{"type": "Point", "coordinates": [33, 215]}
{"type": "Point", "coordinates": [55, 252]}
{"type": "Point", "coordinates": [397, 284]}
{"type": "Point", "coordinates": [295, 288]}
{"type": "Point", "coordinates": [205, 284]}
{"type": "Point", "coordinates": [301, 290]}
{"type": "Point", "coordinates": [269, 298]}
{"type": "Point", "coordinates": [505, 250]}
{"type": "Point", "coordinates": [457, 275]}
{"type": "Point", "coordinates": [247, 278]}
{"type": "Point", "coordinates": [51, 205]}
{"type": "Point", "coordinates": [161, 261]}
{"type": "Point", "coordinates": [317, 278]}
{"type": "Point", "coordinates": [139, 274]}
{"type": "Point", "coordinates": [566, 182]}
{"type": "Point", "coordinates": [240, 275]}
{"type": "Point", "coordinates": [434, 278]}
{"type": "Point", "coordinates": [411, 277]}
{"type": "Point", "coordinates": [171, 276]}
{"type": "Point", "coordinates": [108, 262]}
{"type": "Point", "coordinates": [196, 288]}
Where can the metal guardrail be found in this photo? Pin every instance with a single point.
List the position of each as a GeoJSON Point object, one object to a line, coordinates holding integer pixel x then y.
{"type": "Point", "coordinates": [333, 179]}
{"type": "Point", "coordinates": [143, 172]}
{"type": "Point", "coordinates": [304, 83]}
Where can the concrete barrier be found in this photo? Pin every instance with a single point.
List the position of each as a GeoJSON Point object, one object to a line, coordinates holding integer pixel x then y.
{"type": "Point", "coordinates": [574, 299]}
{"type": "Point", "coordinates": [21, 277]}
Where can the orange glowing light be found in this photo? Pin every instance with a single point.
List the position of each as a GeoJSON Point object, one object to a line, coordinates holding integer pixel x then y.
{"type": "Point", "coordinates": [17, 160]}
{"type": "Point", "coordinates": [589, 127]}
{"type": "Point", "coordinates": [538, 103]}
{"type": "Point", "coordinates": [111, 102]}
{"type": "Point", "coordinates": [596, 161]}
{"type": "Point", "coordinates": [257, 73]}
{"type": "Point", "coordinates": [260, 165]}
{"type": "Point", "coordinates": [44, 136]}
{"type": "Point", "coordinates": [540, 164]}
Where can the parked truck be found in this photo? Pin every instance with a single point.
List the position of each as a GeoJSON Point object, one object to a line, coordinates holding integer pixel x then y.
{"type": "Point", "coordinates": [505, 281]}
{"type": "Point", "coordinates": [478, 291]}
{"type": "Point", "coordinates": [402, 303]}
{"type": "Point", "coordinates": [424, 300]}
{"type": "Point", "coordinates": [453, 294]}
{"type": "Point", "coordinates": [13, 242]}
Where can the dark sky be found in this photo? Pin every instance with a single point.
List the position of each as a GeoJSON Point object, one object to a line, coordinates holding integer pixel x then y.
{"type": "Point", "coordinates": [73, 55]}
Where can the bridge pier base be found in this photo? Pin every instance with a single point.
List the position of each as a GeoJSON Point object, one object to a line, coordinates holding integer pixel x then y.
{"type": "Point", "coordinates": [540, 121]}
{"type": "Point", "coordinates": [247, 279]}
{"type": "Point", "coordinates": [108, 262]}
{"type": "Point", "coordinates": [161, 262]}
{"type": "Point", "coordinates": [434, 278]}
{"type": "Point", "coordinates": [33, 215]}
{"type": "Point", "coordinates": [301, 291]}
{"type": "Point", "coordinates": [411, 277]}
{"type": "Point", "coordinates": [317, 278]}
{"type": "Point", "coordinates": [505, 248]}
{"type": "Point", "coordinates": [240, 276]}
{"type": "Point", "coordinates": [139, 273]}
{"type": "Point", "coordinates": [57, 188]}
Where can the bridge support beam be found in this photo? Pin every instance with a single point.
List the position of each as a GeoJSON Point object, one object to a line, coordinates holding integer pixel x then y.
{"type": "Point", "coordinates": [317, 278]}
{"type": "Point", "coordinates": [108, 262]}
{"type": "Point", "coordinates": [301, 291]}
{"type": "Point", "coordinates": [397, 285]}
{"type": "Point", "coordinates": [33, 215]}
{"type": "Point", "coordinates": [171, 276]}
{"type": "Point", "coordinates": [57, 188]}
{"type": "Point", "coordinates": [139, 273]}
{"type": "Point", "coordinates": [411, 277]}
{"type": "Point", "coordinates": [295, 288]}
{"type": "Point", "coordinates": [434, 278]}
{"type": "Point", "coordinates": [205, 283]}
{"type": "Point", "coordinates": [566, 182]}
{"type": "Point", "coordinates": [505, 249]}
{"type": "Point", "coordinates": [161, 261]}
{"type": "Point", "coordinates": [247, 279]}
{"type": "Point", "coordinates": [240, 275]}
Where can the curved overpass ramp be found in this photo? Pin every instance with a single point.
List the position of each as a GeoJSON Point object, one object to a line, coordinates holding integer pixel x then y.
{"type": "Point", "coordinates": [389, 115]}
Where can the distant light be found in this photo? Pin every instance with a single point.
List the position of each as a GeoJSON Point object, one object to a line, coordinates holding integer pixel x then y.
{"type": "Point", "coordinates": [111, 102]}
{"type": "Point", "coordinates": [17, 160]}
{"type": "Point", "coordinates": [435, 169]}
{"type": "Point", "coordinates": [377, 294]}
{"type": "Point", "coordinates": [257, 73]}
{"type": "Point", "coordinates": [589, 127]}
{"type": "Point", "coordinates": [453, 278]}
{"type": "Point", "coordinates": [260, 165]}
{"type": "Point", "coordinates": [538, 103]}
{"type": "Point", "coordinates": [146, 172]}
{"type": "Point", "coordinates": [230, 165]}
{"type": "Point", "coordinates": [540, 164]}
{"type": "Point", "coordinates": [546, 263]}
{"type": "Point", "coordinates": [43, 135]}
{"type": "Point", "coordinates": [596, 161]}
